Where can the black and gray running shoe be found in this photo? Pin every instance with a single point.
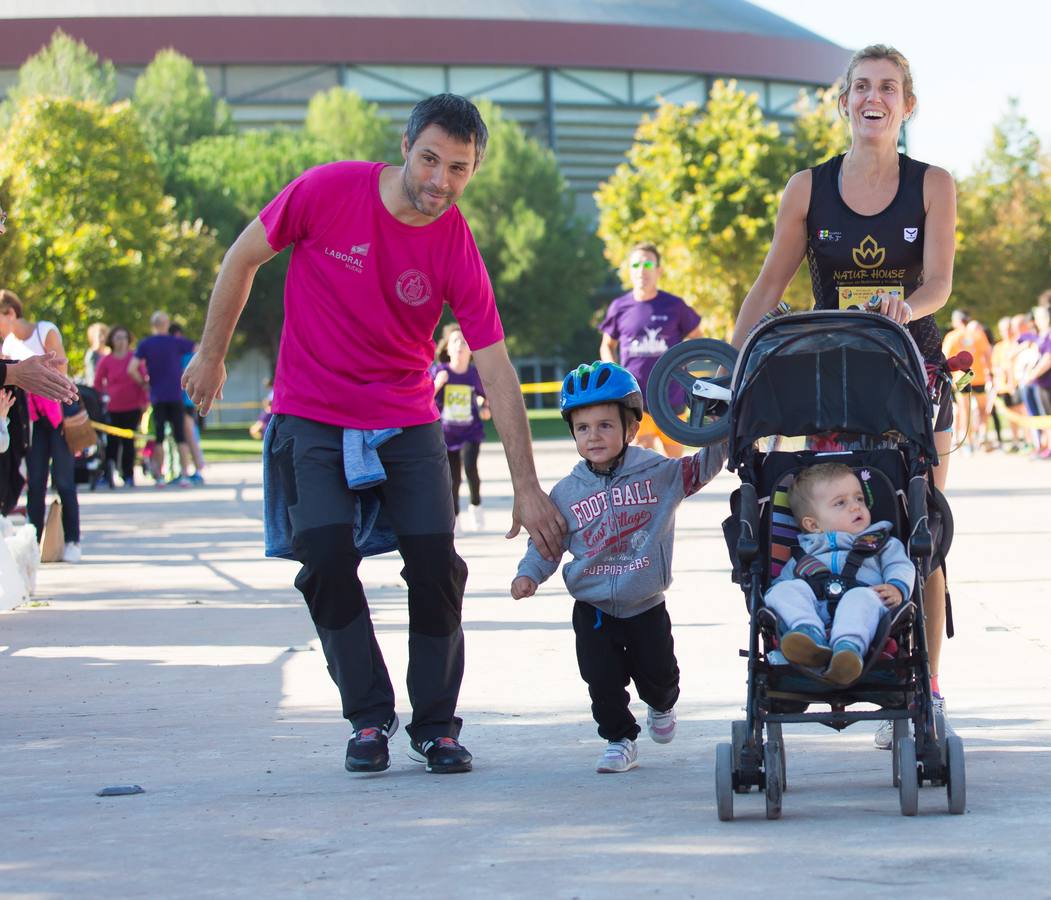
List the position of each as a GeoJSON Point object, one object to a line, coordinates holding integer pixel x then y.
{"type": "Point", "coordinates": [443, 755]}
{"type": "Point", "coordinates": [367, 750]}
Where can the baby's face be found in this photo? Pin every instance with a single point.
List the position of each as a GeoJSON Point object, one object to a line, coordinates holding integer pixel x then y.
{"type": "Point", "coordinates": [839, 505]}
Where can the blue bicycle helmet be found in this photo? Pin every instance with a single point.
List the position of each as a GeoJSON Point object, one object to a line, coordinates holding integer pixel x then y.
{"type": "Point", "coordinates": [601, 382]}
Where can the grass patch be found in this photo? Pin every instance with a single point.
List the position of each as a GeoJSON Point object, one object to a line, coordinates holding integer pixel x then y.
{"type": "Point", "coordinates": [232, 443]}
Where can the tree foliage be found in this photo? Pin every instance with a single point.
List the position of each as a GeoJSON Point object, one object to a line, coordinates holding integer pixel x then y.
{"type": "Point", "coordinates": [64, 68]}
{"type": "Point", "coordinates": [544, 261]}
{"type": "Point", "coordinates": [175, 107]}
{"type": "Point", "coordinates": [704, 186]}
{"type": "Point", "coordinates": [1003, 254]}
{"type": "Point", "coordinates": [226, 181]}
{"type": "Point", "coordinates": [96, 238]}
{"type": "Point", "coordinates": [351, 127]}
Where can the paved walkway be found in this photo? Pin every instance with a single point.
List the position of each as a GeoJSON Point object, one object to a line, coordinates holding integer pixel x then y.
{"type": "Point", "coordinates": [176, 658]}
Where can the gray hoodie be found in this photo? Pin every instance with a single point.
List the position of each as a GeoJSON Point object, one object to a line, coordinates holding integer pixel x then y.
{"type": "Point", "coordinates": [890, 566]}
{"type": "Point", "coordinates": [621, 528]}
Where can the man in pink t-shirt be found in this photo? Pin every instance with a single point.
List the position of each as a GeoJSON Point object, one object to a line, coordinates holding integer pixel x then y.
{"type": "Point", "coordinates": [377, 251]}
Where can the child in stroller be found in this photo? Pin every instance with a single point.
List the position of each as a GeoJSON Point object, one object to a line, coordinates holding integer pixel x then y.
{"type": "Point", "coordinates": [850, 387]}
{"type": "Point", "coordinates": [844, 575]}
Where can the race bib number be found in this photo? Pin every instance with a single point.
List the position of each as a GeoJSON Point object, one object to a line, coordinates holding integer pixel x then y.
{"type": "Point", "coordinates": [860, 295]}
{"type": "Point", "coordinates": [456, 407]}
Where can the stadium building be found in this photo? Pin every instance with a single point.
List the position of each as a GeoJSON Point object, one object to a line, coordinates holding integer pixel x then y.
{"type": "Point", "coordinates": [578, 74]}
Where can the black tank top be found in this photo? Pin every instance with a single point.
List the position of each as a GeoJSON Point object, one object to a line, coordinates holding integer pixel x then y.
{"type": "Point", "coordinates": [851, 256]}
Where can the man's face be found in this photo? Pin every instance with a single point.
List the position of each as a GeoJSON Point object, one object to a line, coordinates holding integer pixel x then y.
{"type": "Point", "coordinates": [437, 169]}
{"type": "Point", "coordinates": [645, 273]}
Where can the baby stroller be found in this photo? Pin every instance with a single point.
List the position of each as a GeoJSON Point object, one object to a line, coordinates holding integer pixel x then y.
{"type": "Point", "coordinates": [849, 386]}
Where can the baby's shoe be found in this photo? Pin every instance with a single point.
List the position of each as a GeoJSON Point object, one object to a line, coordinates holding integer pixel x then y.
{"type": "Point", "coordinates": [660, 725]}
{"type": "Point", "coordinates": [806, 645]}
{"type": "Point", "coordinates": [619, 756]}
{"type": "Point", "coordinates": [846, 664]}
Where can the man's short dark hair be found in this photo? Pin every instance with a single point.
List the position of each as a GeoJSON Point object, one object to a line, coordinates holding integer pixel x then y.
{"type": "Point", "coordinates": [455, 115]}
{"type": "Point", "coordinates": [650, 248]}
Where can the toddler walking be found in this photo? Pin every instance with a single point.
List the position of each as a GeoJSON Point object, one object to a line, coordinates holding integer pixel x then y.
{"type": "Point", "coordinates": [619, 503]}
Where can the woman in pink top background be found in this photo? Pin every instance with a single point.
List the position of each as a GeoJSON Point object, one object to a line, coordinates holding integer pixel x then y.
{"type": "Point", "coordinates": [127, 400]}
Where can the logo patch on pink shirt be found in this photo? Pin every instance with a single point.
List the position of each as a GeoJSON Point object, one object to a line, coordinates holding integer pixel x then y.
{"type": "Point", "coordinates": [413, 287]}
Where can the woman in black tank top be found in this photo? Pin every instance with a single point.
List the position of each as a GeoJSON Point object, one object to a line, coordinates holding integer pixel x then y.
{"type": "Point", "coordinates": [872, 223]}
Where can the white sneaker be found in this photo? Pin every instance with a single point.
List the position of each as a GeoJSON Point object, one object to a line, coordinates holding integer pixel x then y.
{"type": "Point", "coordinates": [884, 736]}
{"type": "Point", "coordinates": [71, 554]}
{"type": "Point", "coordinates": [475, 518]}
{"type": "Point", "coordinates": [660, 725]}
{"type": "Point", "coordinates": [619, 756]}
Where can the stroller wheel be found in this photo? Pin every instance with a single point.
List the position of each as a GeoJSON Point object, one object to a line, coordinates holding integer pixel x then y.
{"type": "Point", "coordinates": [739, 737]}
{"type": "Point", "coordinates": [908, 784]}
{"type": "Point", "coordinates": [901, 729]}
{"type": "Point", "coordinates": [955, 777]}
{"type": "Point", "coordinates": [693, 367]}
{"type": "Point", "coordinates": [773, 735]}
{"type": "Point", "coordinates": [724, 794]}
{"type": "Point", "coordinates": [772, 770]}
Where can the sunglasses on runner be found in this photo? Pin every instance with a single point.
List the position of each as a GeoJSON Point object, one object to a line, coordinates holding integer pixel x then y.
{"type": "Point", "coordinates": [645, 264]}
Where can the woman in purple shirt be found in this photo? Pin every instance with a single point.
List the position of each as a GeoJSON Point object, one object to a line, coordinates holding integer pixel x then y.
{"type": "Point", "coordinates": [642, 325]}
{"type": "Point", "coordinates": [460, 397]}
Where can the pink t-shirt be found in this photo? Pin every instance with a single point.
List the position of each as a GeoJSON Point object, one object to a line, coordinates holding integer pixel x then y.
{"type": "Point", "coordinates": [362, 299]}
{"type": "Point", "coordinates": [112, 378]}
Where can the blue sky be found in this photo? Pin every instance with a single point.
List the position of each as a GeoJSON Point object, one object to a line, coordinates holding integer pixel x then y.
{"type": "Point", "coordinates": [967, 59]}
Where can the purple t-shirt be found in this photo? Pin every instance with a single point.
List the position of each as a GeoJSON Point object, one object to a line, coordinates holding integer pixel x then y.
{"type": "Point", "coordinates": [644, 329]}
{"type": "Point", "coordinates": [458, 403]}
{"type": "Point", "coordinates": [1043, 344]}
{"type": "Point", "coordinates": [163, 355]}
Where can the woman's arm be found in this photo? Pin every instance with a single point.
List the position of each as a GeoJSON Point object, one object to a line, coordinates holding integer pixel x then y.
{"type": "Point", "coordinates": [939, 245]}
{"type": "Point", "coordinates": [53, 343]}
{"type": "Point", "coordinates": [783, 259]}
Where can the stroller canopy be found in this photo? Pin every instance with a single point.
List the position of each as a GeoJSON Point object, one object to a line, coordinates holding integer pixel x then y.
{"type": "Point", "coordinates": [834, 371]}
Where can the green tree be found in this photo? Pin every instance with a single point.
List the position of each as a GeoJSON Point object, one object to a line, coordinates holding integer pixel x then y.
{"type": "Point", "coordinates": [351, 127]}
{"type": "Point", "coordinates": [226, 181]}
{"type": "Point", "coordinates": [175, 107]}
{"type": "Point", "coordinates": [64, 68]}
{"type": "Point", "coordinates": [544, 261]}
{"type": "Point", "coordinates": [704, 185]}
{"type": "Point", "coordinates": [97, 239]}
{"type": "Point", "coordinates": [1003, 254]}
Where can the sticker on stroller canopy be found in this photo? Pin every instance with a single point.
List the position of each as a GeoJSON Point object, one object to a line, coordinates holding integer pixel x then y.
{"type": "Point", "coordinates": [860, 295]}
{"type": "Point", "coordinates": [865, 476]}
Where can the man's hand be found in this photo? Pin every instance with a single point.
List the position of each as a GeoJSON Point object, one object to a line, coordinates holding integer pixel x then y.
{"type": "Point", "coordinates": [42, 375]}
{"type": "Point", "coordinates": [203, 380]}
{"type": "Point", "coordinates": [523, 586]}
{"type": "Point", "coordinates": [889, 595]}
{"type": "Point", "coordinates": [534, 511]}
